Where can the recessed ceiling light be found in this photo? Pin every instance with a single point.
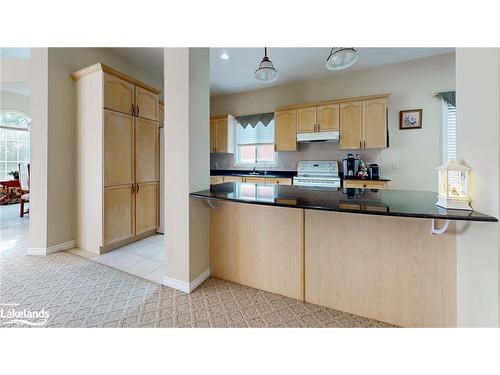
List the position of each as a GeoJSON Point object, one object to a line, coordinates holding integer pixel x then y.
{"type": "Point", "coordinates": [224, 56]}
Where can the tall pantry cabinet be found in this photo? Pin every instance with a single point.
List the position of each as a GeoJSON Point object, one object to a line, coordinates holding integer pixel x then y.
{"type": "Point", "coordinates": [117, 158]}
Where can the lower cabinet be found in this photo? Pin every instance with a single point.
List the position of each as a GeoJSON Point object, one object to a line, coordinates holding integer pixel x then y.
{"type": "Point", "coordinates": [214, 180]}
{"type": "Point", "coordinates": [129, 211]}
{"type": "Point", "coordinates": [146, 207]}
{"type": "Point", "coordinates": [366, 184]}
{"type": "Point", "coordinates": [119, 213]}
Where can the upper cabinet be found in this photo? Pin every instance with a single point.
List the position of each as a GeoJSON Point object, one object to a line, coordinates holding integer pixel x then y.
{"type": "Point", "coordinates": [328, 117]}
{"type": "Point", "coordinates": [351, 125]}
{"type": "Point", "coordinates": [118, 94]}
{"type": "Point", "coordinates": [222, 134]}
{"type": "Point", "coordinates": [285, 130]}
{"type": "Point", "coordinates": [306, 120]}
{"type": "Point", "coordinates": [363, 124]}
{"type": "Point", "coordinates": [146, 104]}
{"type": "Point", "coordinates": [375, 123]}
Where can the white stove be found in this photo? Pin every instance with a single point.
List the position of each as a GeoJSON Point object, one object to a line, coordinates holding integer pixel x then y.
{"type": "Point", "coordinates": [317, 174]}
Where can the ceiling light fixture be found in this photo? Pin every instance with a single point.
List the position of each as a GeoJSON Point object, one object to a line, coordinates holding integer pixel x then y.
{"type": "Point", "coordinates": [224, 56]}
{"type": "Point", "coordinates": [266, 71]}
{"type": "Point", "coordinates": [341, 58]}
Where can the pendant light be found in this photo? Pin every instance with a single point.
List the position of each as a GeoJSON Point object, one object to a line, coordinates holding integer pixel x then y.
{"type": "Point", "coordinates": [266, 71]}
{"type": "Point", "coordinates": [341, 58]}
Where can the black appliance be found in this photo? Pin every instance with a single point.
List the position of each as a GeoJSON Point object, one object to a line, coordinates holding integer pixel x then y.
{"type": "Point", "coordinates": [350, 166]}
{"type": "Point", "coordinates": [373, 171]}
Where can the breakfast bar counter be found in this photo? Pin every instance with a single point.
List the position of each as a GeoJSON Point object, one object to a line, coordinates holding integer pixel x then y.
{"type": "Point", "coordinates": [382, 254]}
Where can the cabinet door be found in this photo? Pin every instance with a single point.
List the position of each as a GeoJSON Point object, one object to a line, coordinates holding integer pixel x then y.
{"type": "Point", "coordinates": [118, 94]}
{"type": "Point", "coordinates": [146, 150]}
{"type": "Point", "coordinates": [118, 148]}
{"type": "Point", "coordinates": [280, 181]}
{"type": "Point", "coordinates": [328, 117]}
{"type": "Point", "coordinates": [214, 180]}
{"type": "Point", "coordinates": [351, 125]}
{"type": "Point", "coordinates": [306, 120]}
{"type": "Point", "coordinates": [285, 133]}
{"type": "Point", "coordinates": [375, 123]}
{"type": "Point", "coordinates": [147, 104]}
{"type": "Point", "coordinates": [365, 184]}
{"type": "Point", "coordinates": [118, 213]}
{"type": "Point", "coordinates": [146, 207]}
{"type": "Point", "coordinates": [221, 134]}
{"type": "Point", "coordinates": [233, 179]}
{"type": "Point", "coordinates": [213, 135]}
{"type": "Point", "coordinates": [255, 180]}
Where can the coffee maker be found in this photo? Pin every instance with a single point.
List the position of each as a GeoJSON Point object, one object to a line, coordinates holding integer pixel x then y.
{"type": "Point", "coordinates": [350, 166]}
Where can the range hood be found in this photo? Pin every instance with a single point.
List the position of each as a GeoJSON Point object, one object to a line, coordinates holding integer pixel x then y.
{"type": "Point", "coordinates": [318, 137]}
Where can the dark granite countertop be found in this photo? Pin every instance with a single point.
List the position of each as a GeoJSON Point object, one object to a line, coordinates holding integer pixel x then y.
{"type": "Point", "coordinates": [417, 204]}
{"type": "Point", "coordinates": [248, 173]}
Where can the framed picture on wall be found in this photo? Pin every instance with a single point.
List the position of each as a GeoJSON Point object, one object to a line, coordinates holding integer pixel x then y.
{"type": "Point", "coordinates": [410, 119]}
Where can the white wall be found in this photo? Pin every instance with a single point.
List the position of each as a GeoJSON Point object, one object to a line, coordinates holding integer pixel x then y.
{"type": "Point", "coordinates": [9, 100]}
{"type": "Point", "coordinates": [478, 145]}
{"type": "Point", "coordinates": [62, 129]}
{"type": "Point", "coordinates": [412, 84]}
{"type": "Point", "coordinates": [186, 164]}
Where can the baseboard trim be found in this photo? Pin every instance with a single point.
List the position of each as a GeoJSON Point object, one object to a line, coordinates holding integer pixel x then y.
{"type": "Point", "coordinates": [52, 249]}
{"type": "Point", "coordinates": [186, 287]}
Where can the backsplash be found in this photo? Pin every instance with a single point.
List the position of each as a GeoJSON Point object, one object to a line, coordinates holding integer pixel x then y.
{"type": "Point", "coordinates": [287, 161]}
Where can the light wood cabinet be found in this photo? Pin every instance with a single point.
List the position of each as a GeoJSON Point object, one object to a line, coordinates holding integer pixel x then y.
{"type": "Point", "coordinates": [118, 148]}
{"type": "Point", "coordinates": [306, 120]}
{"type": "Point", "coordinates": [366, 184]}
{"type": "Point", "coordinates": [285, 130]}
{"type": "Point", "coordinates": [351, 126]}
{"type": "Point", "coordinates": [118, 94]}
{"type": "Point", "coordinates": [119, 213]}
{"type": "Point", "coordinates": [146, 213]}
{"type": "Point", "coordinates": [328, 117]}
{"type": "Point", "coordinates": [146, 150]}
{"type": "Point", "coordinates": [214, 180]}
{"type": "Point", "coordinates": [233, 179]}
{"type": "Point", "coordinates": [222, 134]}
{"type": "Point", "coordinates": [375, 123]}
{"type": "Point", "coordinates": [117, 159]}
{"type": "Point", "coordinates": [147, 104]}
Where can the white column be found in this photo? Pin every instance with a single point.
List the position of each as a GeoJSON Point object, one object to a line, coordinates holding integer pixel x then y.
{"type": "Point", "coordinates": [186, 166]}
{"type": "Point", "coordinates": [38, 218]}
{"type": "Point", "coordinates": [478, 144]}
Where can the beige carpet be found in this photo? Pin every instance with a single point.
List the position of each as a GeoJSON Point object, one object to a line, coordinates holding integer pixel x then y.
{"type": "Point", "coordinates": [77, 292]}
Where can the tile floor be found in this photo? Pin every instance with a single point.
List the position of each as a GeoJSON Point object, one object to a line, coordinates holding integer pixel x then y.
{"type": "Point", "coordinates": [143, 258]}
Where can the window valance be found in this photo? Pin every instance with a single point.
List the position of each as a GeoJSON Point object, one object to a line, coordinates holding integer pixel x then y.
{"type": "Point", "coordinates": [253, 120]}
{"type": "Point", "coordinates": [448, 97]}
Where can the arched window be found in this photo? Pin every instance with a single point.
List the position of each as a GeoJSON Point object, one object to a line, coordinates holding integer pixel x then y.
{"type": "Point", "coordinates": [14, 141]}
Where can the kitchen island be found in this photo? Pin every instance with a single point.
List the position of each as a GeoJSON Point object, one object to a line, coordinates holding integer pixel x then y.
{"type": "Point", "coordinates": [366, 252]}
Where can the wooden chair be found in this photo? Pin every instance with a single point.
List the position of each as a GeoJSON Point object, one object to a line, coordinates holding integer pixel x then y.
{"type": "Point", "coordinates": [24, 180]}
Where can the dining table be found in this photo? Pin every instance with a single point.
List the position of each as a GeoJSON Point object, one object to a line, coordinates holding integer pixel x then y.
{"type": "Point", "coordinates": [9, 191]}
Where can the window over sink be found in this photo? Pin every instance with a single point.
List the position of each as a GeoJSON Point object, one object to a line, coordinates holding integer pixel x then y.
{"type": "Point", "coordinates": [255, 145]}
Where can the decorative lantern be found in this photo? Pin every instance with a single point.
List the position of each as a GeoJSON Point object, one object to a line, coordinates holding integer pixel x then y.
{"type": "Point", "coordinates": [454, 186]}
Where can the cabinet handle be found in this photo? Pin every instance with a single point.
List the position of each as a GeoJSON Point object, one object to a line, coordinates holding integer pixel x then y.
{"type": "Point", "coordinates": [133, 189]}
{"type": "Point", "coordinates": [137, 188]}
{"type": "Point", "coordinates": [360, 144]}
{"type": "Point", "coordinates": [137, 114]}
{"type": "Point", "coordinates": [364, 142]}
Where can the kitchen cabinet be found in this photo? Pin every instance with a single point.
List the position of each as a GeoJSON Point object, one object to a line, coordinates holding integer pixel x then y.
{"type": "Point", "coordinates": [363, 124]}
{"type": "Point", "coordinates": [318, 119]}
{"type": "Point", "coordinates": [147, 104]}
{"type": "Point", "coordinates": [351, 126]}
{"type": "Point", "coordinates": [233, 179]}
{"type": "Point", "coordinates": [222, 134]}
{"type": "Point", "coordinates": [366, 184]}
{"type": "Point", "coordinates": [281, 181]}
{"type": "Point", "coordinates": [285, 130]}
{"type": "Point", "coordinates": [375, 123]}
{"type": "Point", "coordinates": [214, 180]}
{"type": "Point", "coordinates": [117, 158]}
{"type": "Point", "coordinates": [328, 117]}
{"type": "Point", "coordinates": [306, 120]}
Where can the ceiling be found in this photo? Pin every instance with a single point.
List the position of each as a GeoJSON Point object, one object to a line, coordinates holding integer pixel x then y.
{"type": "Point", "coordinates": [293, 64]}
